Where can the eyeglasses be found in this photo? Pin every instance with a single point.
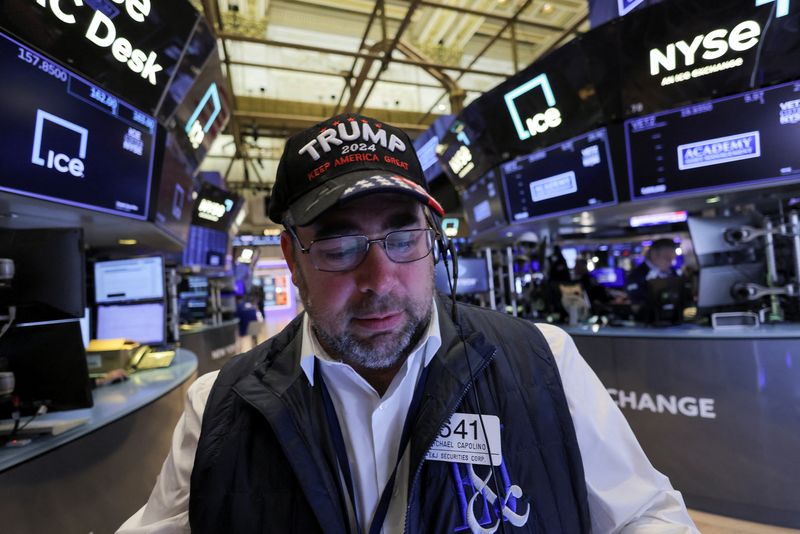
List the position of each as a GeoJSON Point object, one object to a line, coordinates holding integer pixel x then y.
{"type": "Point", "coordinates": [345, 253]}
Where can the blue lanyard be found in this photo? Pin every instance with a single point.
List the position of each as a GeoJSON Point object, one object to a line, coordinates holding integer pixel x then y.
{"type": "Point", "coordinates": [341, 450]}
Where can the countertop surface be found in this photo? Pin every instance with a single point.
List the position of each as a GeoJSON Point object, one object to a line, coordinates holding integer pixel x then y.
{"type": "Point", "coordinates": [690, 331]}
{"type": "Point", "coordinates": [111, 403]}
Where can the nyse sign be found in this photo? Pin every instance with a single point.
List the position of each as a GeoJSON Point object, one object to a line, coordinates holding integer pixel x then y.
{"type": "Point", "coordinates": [709, 47]}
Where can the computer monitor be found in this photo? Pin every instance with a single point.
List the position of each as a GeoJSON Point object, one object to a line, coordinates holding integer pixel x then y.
{"type": "Point", "coordinates": [715, 285]}
{"type": "Point", "coordinates": [143, 322]}
{"type": "Point", "coordinates": [473, 276]}
{"type": "Point", "coordinates": [49, 274]}
{"type": "Point", "coordinates": [49, 365]}
{"type": "Point", "coordinates": [193, 298]}
{"type": "Point", "coordinates": [666, 299]}
{"type": "Point", "coordinates": [708, 234]}
{"type": "Point", "coordinates": [129, 279]}
{"type": "Point", "coordinates": [609, 276]}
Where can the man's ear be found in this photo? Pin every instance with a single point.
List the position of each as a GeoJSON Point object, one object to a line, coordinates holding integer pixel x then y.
{"type": "Point", "coordinates": [287, 247]}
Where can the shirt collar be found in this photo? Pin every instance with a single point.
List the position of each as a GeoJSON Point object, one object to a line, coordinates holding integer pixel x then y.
{"type": "Point", "coordinates": [310, 348]}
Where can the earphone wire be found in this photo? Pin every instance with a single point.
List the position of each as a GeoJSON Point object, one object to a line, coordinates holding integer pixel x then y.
{"type": "Point", "coordinates": [452, 282]}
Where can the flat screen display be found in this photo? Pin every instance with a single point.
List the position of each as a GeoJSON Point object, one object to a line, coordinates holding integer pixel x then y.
{"type": "Point", "coordinates": [466, 151]}
{"type": "Point", "coordinates": [609, 276]}
{"type": "Point", "coordinates": [67, 141]}
{"type": "Point", "coordinates": [473, 276]}
{"type": "Point", "coordinates": [483, 204]}
{"type": "Point", "coordinates": [144, 323]}
{"type": "Point", "coordinates": [173, 205]}
{"type": "Point", "coordinates": [204, 111]}
{"type": "Point", "coordinates": [426, 144]}
{"type": "Point", "coordinates": [49, 273]}
{"type": "Point", "coordinates": [193, 298]}
{"type": "Point", "coordinates": [732, 141]}
{"type": "Point", "coordinates": [215, 208]}
{"type": "Point", "coordinates": [198, 49]}
{"type": "Point", "coordinates": [129, 279]}
{"type": "Point", "coordinates": [572, 176]}
{"type": "Point", "coordinates": [205, 247]}
{"type": "Point", "coordinates": [684, 51]}
{"type": "Point", "coordinates": [551, 100]}
{"type": "Point", "coordinates": [129, 48]}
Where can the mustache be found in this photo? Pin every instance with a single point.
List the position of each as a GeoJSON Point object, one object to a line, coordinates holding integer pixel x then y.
{"type": "Point", "coordinates": [378, 305]}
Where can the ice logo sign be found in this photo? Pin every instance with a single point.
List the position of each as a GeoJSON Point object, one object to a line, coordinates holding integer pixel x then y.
{"type": "Point", "coordinates": [539, 122]}
{"type": "Point", "coordinates": [195, 129]}
{"type": "Point", "coordinates": [626, 6]}
{"type": "Point", "coordinates": [781, 6]}
{"type": "Point", "coordinates": [52, 159]}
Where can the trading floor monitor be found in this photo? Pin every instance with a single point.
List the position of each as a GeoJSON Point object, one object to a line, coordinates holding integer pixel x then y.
{"type": "Point", "coordinates": [49, 365]}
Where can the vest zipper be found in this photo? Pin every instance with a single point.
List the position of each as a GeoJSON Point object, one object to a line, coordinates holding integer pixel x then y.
{"type": "Point", "coordinates": [419, 467]}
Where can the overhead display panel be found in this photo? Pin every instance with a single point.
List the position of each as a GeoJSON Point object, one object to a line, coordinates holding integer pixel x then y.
{"type": "Point", "coordinates": [128, 47]}
{"type": "Point", "coordinates": [572, 176]}
{"type": "Point", "coordinates": [66, 140]}
{"type": "Point", "coordinates": [173, 203]}
{"type": "Point", "coordinates": [483, 204]}
{"type": "Point", "coordinates": [684, 51]}
{"type": "Point", "coordinates": [215, 208]}
{"type": "Point", "coordinates": [204, 111]}
{"type": "Point", "coordinates": [723, 143]}
{"type": "Point", "coordinates": [200, 47]}
{"type": "Point", "coordinates": [466, 151]}
{"type": "Point", "coordinates": [426, 143]}
{"type": "Point", "coordinates": [553, 99]}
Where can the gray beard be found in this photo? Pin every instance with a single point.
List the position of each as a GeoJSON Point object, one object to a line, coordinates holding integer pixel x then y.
{"type": "Point", "coordinates": [379, 352]}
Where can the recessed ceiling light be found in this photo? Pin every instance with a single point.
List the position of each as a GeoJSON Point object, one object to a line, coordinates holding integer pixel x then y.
{"type": "Point", "coordinates": [127, 241]}
{"type": "Point", "coordinates": [713, 200]}
{"type": "Point", "coordinates": [547, 8]}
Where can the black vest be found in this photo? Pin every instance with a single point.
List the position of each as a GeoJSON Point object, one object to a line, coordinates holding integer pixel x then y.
{"type": "Point", "coordinates": [265, 462]}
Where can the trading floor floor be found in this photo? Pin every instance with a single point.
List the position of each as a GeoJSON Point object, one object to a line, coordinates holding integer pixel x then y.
{"type": "Point", "coordinates": [715, 524]}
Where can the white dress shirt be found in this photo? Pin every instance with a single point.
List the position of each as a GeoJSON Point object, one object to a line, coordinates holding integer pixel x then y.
{"type": "Point", "coordinates": [625, 493]}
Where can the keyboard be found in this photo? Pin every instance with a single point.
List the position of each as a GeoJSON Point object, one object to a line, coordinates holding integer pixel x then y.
{"type": "Point", "coordinates": [40, 427]}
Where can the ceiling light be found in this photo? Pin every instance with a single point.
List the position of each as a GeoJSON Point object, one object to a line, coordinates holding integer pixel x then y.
{"type": "Point", "coordinates": [713, 200]}
{"type": "Point", "coordinates": [127, 241]}
{"type": "Point", "coordinates": [441, 107]}
{"type": "Point", "coordinates": [547, 8]}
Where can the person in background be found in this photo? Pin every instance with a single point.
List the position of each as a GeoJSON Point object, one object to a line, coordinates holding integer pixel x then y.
{"type": "Point", "coordinates": [599, 297]}
{"type": "Point", "coordinates": [386, 407]}
{"type": "Point", "coordinates": [658, 263]}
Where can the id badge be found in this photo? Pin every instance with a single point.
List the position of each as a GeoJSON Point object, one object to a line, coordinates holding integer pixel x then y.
{"type": "Point", "coordinates": [462, 440]}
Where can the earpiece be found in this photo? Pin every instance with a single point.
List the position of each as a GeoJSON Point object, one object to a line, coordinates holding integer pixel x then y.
{"type": "Point", "coordinates": [445, 246]}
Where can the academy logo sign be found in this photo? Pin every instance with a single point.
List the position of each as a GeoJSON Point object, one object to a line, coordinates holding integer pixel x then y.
{"type": "Point", "coordinates": [720, 150]}
{"type": "Point", "coordinates": [52, 159]}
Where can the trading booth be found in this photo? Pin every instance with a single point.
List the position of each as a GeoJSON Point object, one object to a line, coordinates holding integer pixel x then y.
{"type": "Point", "coordinates": [675, 120]}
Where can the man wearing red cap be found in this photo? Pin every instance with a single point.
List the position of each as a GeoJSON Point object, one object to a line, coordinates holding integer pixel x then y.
{"type": "Point", "coordinates": [385, 407]}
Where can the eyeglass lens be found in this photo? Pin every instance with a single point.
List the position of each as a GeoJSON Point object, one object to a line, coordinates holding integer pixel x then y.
{"type": "Point", "coordinates": [347, 252]}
